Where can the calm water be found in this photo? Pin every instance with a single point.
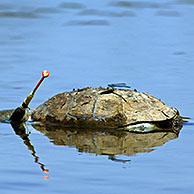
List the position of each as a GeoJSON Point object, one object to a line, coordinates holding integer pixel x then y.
{"type": "Point", "coordinates": [147, 44]}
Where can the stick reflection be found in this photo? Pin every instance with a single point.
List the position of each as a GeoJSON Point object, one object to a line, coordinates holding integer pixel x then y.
{"type": "Point", "coordinates": [20, 130]}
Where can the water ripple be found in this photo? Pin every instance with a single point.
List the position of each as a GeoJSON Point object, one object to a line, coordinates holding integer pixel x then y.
{"type": "Point", "coordinates": [139, 4]}
{"type": "Point", "coordinates": [87, 23]}
{"type": "Point", "coordinates": [70, 5]}
{"type": "Point", "coordinates": [5, 6]}
{"type": "Point", "coordinates": [168, 13]}
{"type": "Point", "coordinates": [46, 10]}
{"type": "Point", "coordinates": [18, 14]}
{"type": "Point", "coordinates": [189, 2]}
{"type": "Point", "coordinates": [95, 12]}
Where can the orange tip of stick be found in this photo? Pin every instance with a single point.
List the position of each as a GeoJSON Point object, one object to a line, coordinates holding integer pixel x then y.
{"type": "Point", "coordinates": [45, 73]}
{"type": "Point", "coordinates": [46, 170]}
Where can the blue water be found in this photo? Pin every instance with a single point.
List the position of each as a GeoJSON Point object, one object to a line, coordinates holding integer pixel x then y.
{"type": "Point", "coordinates": [147, 44]}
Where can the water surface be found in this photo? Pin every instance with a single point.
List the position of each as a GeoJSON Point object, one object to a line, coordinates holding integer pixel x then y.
{"type": "Point", "coordinates": [146, 44]}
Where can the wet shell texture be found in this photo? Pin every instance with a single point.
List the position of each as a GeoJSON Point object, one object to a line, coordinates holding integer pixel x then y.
{"type": "Point", "coordinates": [104, 107]}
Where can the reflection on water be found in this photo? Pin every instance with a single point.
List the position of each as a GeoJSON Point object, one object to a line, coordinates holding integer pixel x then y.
{"type": "Point", "coordinates": [105, 142]}
{"type": "Point", "coordinates": [21, 131]}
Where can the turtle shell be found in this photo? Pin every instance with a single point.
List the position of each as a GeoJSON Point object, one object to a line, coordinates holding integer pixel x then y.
{"type": "Point", "coordinates": [103, 107]}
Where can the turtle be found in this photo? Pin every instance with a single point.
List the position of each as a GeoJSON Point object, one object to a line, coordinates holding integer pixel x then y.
{"type": "Point", "coordinates": [108, 108]}
{"type": "Point", "coordinates": [112, 107]}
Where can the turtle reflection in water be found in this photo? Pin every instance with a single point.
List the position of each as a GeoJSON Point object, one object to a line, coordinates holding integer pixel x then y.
{"type": "Point", "coordinates": [113, 143]}
{"type": "Point", "coordinates": [108, 142]}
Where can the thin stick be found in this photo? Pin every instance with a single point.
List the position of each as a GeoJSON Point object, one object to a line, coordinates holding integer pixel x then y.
{"type": "Point", "coordinates": [19, 112]}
